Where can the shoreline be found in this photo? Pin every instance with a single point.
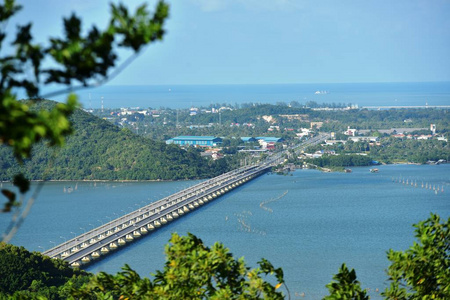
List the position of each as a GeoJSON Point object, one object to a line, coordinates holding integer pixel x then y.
{"type": "Point", "coordinates": [159, 180]}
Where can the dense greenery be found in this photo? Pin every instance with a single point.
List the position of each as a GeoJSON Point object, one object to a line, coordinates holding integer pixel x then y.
{"type": "Point", "coordinates": [341, 161]}
{"type": "Point", "coordinates": [29, 275]}
{"type": "Point", "coordinates": [99, 150]}
{"type": "Point", "coordinates": [414, 151]}
{"type": "Point", "coordinates": [194, 271]}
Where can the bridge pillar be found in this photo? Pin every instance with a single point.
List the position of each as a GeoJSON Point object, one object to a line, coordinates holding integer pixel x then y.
{"type": "Point", "coordinates": [85, 260]}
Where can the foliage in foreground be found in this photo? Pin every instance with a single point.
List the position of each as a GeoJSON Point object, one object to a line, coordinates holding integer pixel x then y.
{"type": "Point", "coordinates": [192, 271]}
{"type": "Point", "coordinates": [345, 286]}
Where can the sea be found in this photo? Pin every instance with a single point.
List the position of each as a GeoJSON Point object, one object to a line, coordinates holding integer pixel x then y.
{"type": "Point", "coordinates": [186, 96]}
{"type": "Point", "coordinates": [307, 222]}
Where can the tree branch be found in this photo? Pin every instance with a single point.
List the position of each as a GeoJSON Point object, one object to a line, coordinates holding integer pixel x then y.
{"type": "Point", "coordinates": [107, 79]}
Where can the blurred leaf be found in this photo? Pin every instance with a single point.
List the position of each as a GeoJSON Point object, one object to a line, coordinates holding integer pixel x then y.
{"type": "Point", "coordinates": [21, 182]}
{"type": "Point", "coordinates": [11, 200]}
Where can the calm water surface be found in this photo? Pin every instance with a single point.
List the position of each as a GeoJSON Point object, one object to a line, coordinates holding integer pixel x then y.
{"type": "Point", "coordinates": [185, 96]}
{"type": "Point", "coordinates": [309, 224]}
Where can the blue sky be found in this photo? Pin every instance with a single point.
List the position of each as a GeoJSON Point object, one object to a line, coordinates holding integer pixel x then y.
{"type": "Point", "coordinates": [277, 41]}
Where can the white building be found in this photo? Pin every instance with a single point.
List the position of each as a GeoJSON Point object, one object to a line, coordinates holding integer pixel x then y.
{"type": "Point", "coordinates": [350, 131]}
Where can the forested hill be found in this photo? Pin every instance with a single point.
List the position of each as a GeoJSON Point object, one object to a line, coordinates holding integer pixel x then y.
{"type": "Point", "coordinates": [98, 150]}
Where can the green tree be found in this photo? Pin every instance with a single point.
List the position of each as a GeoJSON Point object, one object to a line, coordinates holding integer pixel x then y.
{"type": "Point", "coordinates": [80, 61]}
{"type": "Point", "coordinates": [192, 271]}
{"type": "Point", "coordinates": [422, 271]}
{"type": "Point", "coordinates": [345, 286]}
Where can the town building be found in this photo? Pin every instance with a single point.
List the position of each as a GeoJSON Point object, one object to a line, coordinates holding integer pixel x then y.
{"type": "Point", "coordinates": [350, 131]}
{"type": "Point", "coordinates": [363, 138]}
{"type": "Point", "coordinates": [433, 128]}
{"type": "Point", "coordinates": [199, 141]}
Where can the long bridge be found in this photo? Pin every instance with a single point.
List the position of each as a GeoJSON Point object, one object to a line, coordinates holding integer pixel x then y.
{"type": "Point", "coordinates": [87, 247]}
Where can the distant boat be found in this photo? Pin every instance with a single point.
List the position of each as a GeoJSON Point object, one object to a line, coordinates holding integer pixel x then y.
{"type": "Point", "coordinates": [321, 93]}
{"type": "Point", "coordinates": [373, 170]}
{"type": "Point", "coordinates": [347, 170]}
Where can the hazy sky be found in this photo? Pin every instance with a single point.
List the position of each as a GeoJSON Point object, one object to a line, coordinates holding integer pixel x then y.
{"type": "Point", "coordinates": [277, 41]}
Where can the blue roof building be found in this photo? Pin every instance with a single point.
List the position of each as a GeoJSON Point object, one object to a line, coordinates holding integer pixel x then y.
{"type": "Point", "coordinates": [201, 141]}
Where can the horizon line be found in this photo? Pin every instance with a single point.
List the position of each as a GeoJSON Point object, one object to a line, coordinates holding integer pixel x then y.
{"type": "Point", "coordinates": [303, 83]}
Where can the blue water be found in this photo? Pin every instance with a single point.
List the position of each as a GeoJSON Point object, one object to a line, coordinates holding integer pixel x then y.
{"type": "Point", "coordinates": [323, 220]}
{"type": "Point", "coordinates": [185, 96]}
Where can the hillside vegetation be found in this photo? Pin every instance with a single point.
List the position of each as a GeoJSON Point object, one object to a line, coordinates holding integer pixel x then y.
{"type": "Point", "coordinates": [30, 275]}
{"type": "Point", "coordinates": [98, 150]}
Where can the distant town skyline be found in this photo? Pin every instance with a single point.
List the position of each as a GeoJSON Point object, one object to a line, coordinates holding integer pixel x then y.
{"type": "Point", "coordinates": [275, 42]}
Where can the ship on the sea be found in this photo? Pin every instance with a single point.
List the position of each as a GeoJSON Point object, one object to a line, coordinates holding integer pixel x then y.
{"type": "Point", "coordinates": [321, 93]}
